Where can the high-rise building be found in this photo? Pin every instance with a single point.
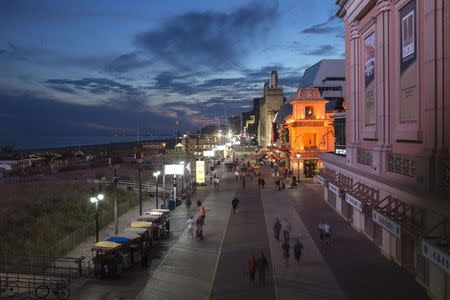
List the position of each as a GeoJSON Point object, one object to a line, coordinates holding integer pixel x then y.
{"type": "Point", "coordinates": [268, 107]}
{"type": "Point", "coordinates": [234, 124]}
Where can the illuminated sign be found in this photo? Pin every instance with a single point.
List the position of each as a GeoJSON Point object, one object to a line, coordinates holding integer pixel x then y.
{"type": "Point", "coordinates": [386, 223]}
{"type": "Point", "coordinates": [353, 202]}
{"type": "Point", "coordinates": [200, 171]}
{"type": "Point", "coordinates": [437, 256]}
{"type": "Point", "coordinates": [208, 153]}
{"type": "Point", "coordinates": [340, 151]}
{"type": "Point", "coordinates": [221, 147]}
{"type": "Point", "coordinates": [174, 169]}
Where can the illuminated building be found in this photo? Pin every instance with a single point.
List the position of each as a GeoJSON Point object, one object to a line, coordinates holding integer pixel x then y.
{"type": "Point", "coordinates": [307, 131]}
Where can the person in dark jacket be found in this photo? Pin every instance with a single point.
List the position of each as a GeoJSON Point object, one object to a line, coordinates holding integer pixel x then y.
{"type": "Point", "coordinates": [262, 266]}
{"type": "Point", "coordinates": [235, 205]}
{"type": "Point", "coordinates": [277, 229]}
{"type": "Point", "coordinates": [298, 249]}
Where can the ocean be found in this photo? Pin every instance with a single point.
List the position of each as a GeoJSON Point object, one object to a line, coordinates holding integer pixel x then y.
{"type": "Point", "coordinates": [44, 142]}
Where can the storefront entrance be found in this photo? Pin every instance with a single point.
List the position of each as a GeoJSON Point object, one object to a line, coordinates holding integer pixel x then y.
{"type": "Point", "coordinates": [377, 234]}
{"type": "Point", "coordinates": [408, 247]}
{"type": "Point", "coordinates": [309, 166]}
{"type": "Point", "coordinates": [332, 198]}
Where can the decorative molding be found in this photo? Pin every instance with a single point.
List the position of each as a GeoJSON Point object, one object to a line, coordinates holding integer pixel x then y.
{"type": "Point", "coordinates": [384, 6]}
{"type": "Point", "coordinates": [369, 25]}
{"type": "Point", "coordinates": [354, 30]}
{"type": "Point", "coordinates": [364, 157]}
{"type": "Point", "coordinates": [401, 164]}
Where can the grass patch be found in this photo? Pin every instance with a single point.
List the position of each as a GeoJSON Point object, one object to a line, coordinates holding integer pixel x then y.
{"type": "Point", "coordinates": [36, 215]}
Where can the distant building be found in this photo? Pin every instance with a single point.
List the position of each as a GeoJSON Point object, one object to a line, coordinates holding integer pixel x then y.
{"type": "Point", "coordinates": [328, 76]}
{"type": "Point", "coordinates": [306, 130]}
{"type": "Point", "coordinates": [212, 129]}
{"type": "Point", "coordinates": [250, 119]}
{"type": "Point", "coordinates": [234, 124]}
{"type": "Point", "coordinates": [268, 107]}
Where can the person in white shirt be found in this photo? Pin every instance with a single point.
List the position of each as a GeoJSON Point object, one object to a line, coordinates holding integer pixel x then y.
{"type": "Point", "coordinates": [190, 226]}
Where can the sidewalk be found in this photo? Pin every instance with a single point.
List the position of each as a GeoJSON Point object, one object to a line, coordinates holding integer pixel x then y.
{"type": "Point", "coordinates": [311, 278]}
{"type": "Point", "coordinates": [133, 281]}
{"type": "Point", "coordinates": [188, 268]}
{"type": "Point", "coordinates": [360, 269]}
{"type": "Point", "coordinates": [246, 235]}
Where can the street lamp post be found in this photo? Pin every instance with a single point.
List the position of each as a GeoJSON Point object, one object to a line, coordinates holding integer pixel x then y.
{"type": "Point", "coordinates": [182, 178]}
{"type": "Point", "coordinates": [140, 185]}
{"type": "Point", "coordinates": [95, 199]}
{"type": "Point", "coordinates": [156, 174]}
{"type": "Point", "coordinates": [116, 215]}
{"type": "Point", "coordinates": [298, 155]}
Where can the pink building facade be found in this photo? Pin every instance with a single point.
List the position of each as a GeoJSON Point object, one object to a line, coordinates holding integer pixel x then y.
{"type": "Point", "coordinates": [394, 183]}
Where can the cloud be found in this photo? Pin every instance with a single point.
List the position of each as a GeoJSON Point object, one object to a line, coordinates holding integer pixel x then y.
{"type": "Point", "coordinates": [322, 50]}
{"type": "Point", "coordinates": [111, 129]}
{"type": "Point", "coordinates": [95, 86]}
{"type": "Point", "coordinates": [127, 62]}
{"type": "Point", "coordinates": [332, 25]}
{"type": "Point", "coordinates": [212, 40]}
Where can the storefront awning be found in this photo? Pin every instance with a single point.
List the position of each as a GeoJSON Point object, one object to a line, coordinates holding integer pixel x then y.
{"type": "Point", "coordinates": [435, 246]}
{"type": "Point", "coordinates": [341, 182]}
{"type": "Point", "coordinates": [362, 197]}
{"type": "Point", "coordinates": [397, 216]}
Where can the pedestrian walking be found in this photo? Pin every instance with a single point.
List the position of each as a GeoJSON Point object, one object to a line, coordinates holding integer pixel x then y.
{"type": "Point", "coordinates": [286, 229]}
{"type": "Point", "coordinates": [277, 229]}
{"type": "Point", "coordinates": [144, 254]}
{"type": "Point", "coordinates": [321, 232]}
{"type": "Point", "coordinates": [298, 249]}
{"type": "Point", "coordinates": [188, 206]}
{"type": "Point", "coordinates": [259, 182]}
{"type": "Point", "coordinates": [327, 231]}
{"type": "Point", "coordinates": [235, 205]}
{"type": "Point", "coordinates": [190, 226]}
{"type": "Point", "coordinates": [286, 249]}
{"type": "Point", "coordinates": [263, 182]}
{"type": "Point", "coordinates": [199, 228]}
{"type": "Point", "coordinates": [217, 182]}
{"type": "Point", "coordinates": [236, 174]}
{"type": "Point", "coordinates": [262, 266]}
{"type": "Point", "coordinates": [202, 215]}
{"type": "Point", "coordinates": [243, 183]}
{"type": "Point", "coordinates": [251, 266]}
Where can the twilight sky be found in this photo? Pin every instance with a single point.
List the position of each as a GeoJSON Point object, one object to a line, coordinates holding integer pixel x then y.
{"type": "Point", "coordinates": [104, 67]}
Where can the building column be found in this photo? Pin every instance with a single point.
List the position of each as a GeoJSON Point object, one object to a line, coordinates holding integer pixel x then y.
{"type": "Point", "coordinates": [382, 73]}
{"type": "Point", "coordinates": [353, 114]}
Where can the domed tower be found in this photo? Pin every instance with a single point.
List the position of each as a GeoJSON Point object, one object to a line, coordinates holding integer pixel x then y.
{"type": "Point", "coordinates": [274, 79]}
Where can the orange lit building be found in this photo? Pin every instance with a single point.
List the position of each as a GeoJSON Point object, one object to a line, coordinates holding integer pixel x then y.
{"type": "Point", "coordinates": [307, 131]}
